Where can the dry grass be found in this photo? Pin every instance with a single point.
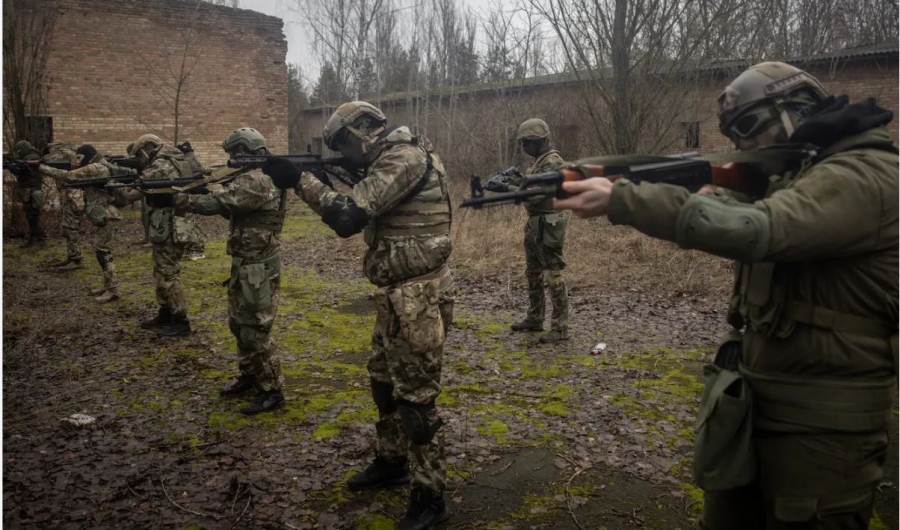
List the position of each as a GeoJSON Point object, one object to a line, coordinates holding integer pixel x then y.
{"type": "Point", "coordinates": [488, 242]}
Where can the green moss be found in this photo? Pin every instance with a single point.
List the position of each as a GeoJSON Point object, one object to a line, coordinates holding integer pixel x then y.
{"type": "Point", "coordinates": [875, 523]}
{"type": "Point", "coordinates": [226, 421]}
{"type": "Point", "coordinates": [490, 329]}
{"type": "Point", "coordinates": [555, 408]}
{"type": "Point", "coordinates": [326, 430]}
{"type": "Point", "coordinates": [693, 499]}
{"type": "Point", "coordinates": [495, 428]}
{"type": "Point", "coordinates": [375, 522]}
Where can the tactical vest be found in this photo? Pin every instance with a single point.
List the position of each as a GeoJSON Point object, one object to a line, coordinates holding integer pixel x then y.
{"type": "Point", "coordinates": [797, 403]}
{"type": "Point", "coordinates": [424, 212]}
{"type": "Point", "coordinates": [545, 206]}
{"type": "Point", "coordinates": [262, 219]}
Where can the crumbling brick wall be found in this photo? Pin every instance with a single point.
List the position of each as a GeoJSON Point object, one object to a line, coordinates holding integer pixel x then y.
{"type": "Point", "coordinates": [112, 63]}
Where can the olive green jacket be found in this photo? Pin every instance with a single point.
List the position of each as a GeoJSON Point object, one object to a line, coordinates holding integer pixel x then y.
{"type": "Point", "coordinates": [822, 303]}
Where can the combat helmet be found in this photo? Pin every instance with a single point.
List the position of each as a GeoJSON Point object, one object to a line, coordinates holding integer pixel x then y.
{"type": "Point", "coordinates": [762, 95]}
{"type": "Point", "coordinates": [347, 117]}
{"type": "Point", "coordinates": [533, 128]}
{"type": "Point", "coordinates": [248, 137]}
{"type": "Point", "coordinates": [147, 145]}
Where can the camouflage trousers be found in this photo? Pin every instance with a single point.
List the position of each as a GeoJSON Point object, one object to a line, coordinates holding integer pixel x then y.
{"type": "Point", "coordinates": [405, 367]}
{"type": "Point", "coordinates": [32, 203]}
{"type": "Point", "coordinates": [72, 214]}
{"type": "Point", "coordinates": [166, 267]}
{"type": "Point", "coordinates": [544, 237]}
{"type": "Point", "coordinates": [252, 304]}
{"type": "Point", "coordinates": [145, 218]}
{"type": "Point", "coordinates": [104, 237]}
{"type": "Point", "coordinates": [805, 482]}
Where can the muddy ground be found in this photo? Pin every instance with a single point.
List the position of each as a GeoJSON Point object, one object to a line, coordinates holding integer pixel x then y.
{"type": "Point", "coordinates": [536, 436]}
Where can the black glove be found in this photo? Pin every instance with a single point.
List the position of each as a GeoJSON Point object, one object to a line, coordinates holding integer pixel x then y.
{"type": "Point", "coordinates": [495, 185]}
{"type": "Point", "coordinates": [284, 174]}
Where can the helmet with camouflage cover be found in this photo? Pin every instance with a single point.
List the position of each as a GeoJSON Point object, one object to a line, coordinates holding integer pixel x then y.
{"type": "Point", "coordinates": [23, 148]}
{"type": "Point", "coordinates": [359, 118]}
{"type": "Point", "coordinates": [247, 137]}
{"type": "Point", "coordinates": [762, 96]}
{"type": "Point", "coordinates": [129, 149]}
{"type": "Point", "coordinates": [148, 144]}
{"type": "Point", "coordinates": [533, 128]}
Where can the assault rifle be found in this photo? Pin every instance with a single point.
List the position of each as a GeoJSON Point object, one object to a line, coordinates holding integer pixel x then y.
{"type": "Point", "coordinates": [311, 162]}
{"type": "Point", "coordinates": [101, 182]}
{"type": "Point", "coordinates": [159, 186]}
{"type": "Point", "coordinates": [17, 166]}
{"type": "Point", "coordinates": [502, 179]}
{"type": "Point", "coordinates": [129, 162]}
{"type": "Point", "coordinates": [738, 171]}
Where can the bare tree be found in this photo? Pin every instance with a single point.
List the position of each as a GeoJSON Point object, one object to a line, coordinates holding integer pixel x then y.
{"type": "Point", "coordinates": [27, 32]}
{"type": "Point", "coordinates": [169, 68]}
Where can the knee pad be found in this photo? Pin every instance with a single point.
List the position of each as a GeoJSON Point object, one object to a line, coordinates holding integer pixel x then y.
{"type": "Point", "coordinates": [104, 258]}
{"type": "Point", "coordinates": [416, 424]}
{"type": "Point", "coordinates": [383, 395]}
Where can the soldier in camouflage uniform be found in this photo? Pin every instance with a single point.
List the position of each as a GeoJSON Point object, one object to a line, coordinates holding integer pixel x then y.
{"type": "Point", "coordinates": [169, 232]}
{"type": "Point", "coordinates": [193, 251]}
{"type": "Point", "coordinates": [31, 193]}
{"type": "Point", "coordinates": [402, 205]}
{"type": "Point", "coordinates": [545, 234]}
{"type": "Point", "coordinates": [255, 209]}
{"type": "Point", "coordinates": [72, 208]}
{"type": "Point", "coordinates": [796, 410]}
{"type": "Point", "coordinates": [100, 209]}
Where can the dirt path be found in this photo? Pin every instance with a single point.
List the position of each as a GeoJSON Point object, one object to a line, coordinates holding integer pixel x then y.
{"type": "Point", "coordinates": [536, 436]}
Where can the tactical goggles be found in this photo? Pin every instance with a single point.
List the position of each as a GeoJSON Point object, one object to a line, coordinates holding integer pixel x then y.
{"type": "Point", "coordinates": [750, 123]}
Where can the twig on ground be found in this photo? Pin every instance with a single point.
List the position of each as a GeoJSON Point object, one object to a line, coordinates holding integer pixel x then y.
{"type": "Point", "coordinates": [569, 496]}
{"type": "Point", "coordinates": [162, 482]}
{"type": "Point", "coordinates": [249, 498]}
{"type": "Point", "coordinates": [504, 468]}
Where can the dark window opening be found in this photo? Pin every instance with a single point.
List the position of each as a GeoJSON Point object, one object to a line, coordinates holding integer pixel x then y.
{"type": "Point", "coordinates": [690, 131]}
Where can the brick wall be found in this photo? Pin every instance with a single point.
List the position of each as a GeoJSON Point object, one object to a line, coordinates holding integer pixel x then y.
{"type": "Point", "coordinates": [111, 80]}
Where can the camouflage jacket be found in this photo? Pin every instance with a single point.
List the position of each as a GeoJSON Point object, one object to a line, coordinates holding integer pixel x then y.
{"type": "Point", "coordinates": [169, 163]}
{"type": "Point", "coordinates": [402, 244]}
{"type": "Point", "coordinates": [831, 262]}
{"type": "Point", "coordinates": [548, 161]}
{"type": "Point", "coordinates": [63, 152]}
{"type": "Point", "coordinates": [30, 179]}
{"type": "Point", "coordinates": [98, 201]}
{"type": "Point", "coordinates": [249, 194]}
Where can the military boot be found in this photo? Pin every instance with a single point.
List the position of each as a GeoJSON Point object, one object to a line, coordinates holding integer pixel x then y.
{"type": "Point", "coordinates": [33, 242]}
{"type": "Point", "coordinates": [426, 510]}
{"type": "Point", "coordinates": [162, 318]}
{"type": "Point", "coordinates": [98, 291]}
{"type": "Point", "coordinates": [380, 474]}
{"type": "Point", "coordinates": [73, 264]}
{"type": "Point", "coordinates": [554, 336]}
{"type": "Point", "coordinates": [108, 296]}
{"type": "Point", "coordinates": [264, 402]}
{"type": "Point", "coordinates": [178, 326]}
{"type": "Point", "coordinates": [240, 386]}
{"type": "Point", "coordinates": [527, 325]}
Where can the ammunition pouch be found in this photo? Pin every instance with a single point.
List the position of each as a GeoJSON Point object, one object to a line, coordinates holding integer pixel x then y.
{"type": "Point", "coordinates": [264, 220]}
{"type": "Point", "coordinates": [416, 304]}
{"type": "Point", "coordinates": [724, 454]}
{"type": "Point", "coordinates": [814, 404]}
{"type": "Point", "coordinates": [253, 280]}
{"type": "Point", "coordinates": [184, 229]}
{"type": "Point", "coordinates": [416, 422]}
{"type": "Point", "coordinates": [160, 225]}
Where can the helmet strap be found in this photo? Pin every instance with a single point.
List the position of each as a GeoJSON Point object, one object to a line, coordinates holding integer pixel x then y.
{"type": "Point", "coordinates": [786, 121]}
